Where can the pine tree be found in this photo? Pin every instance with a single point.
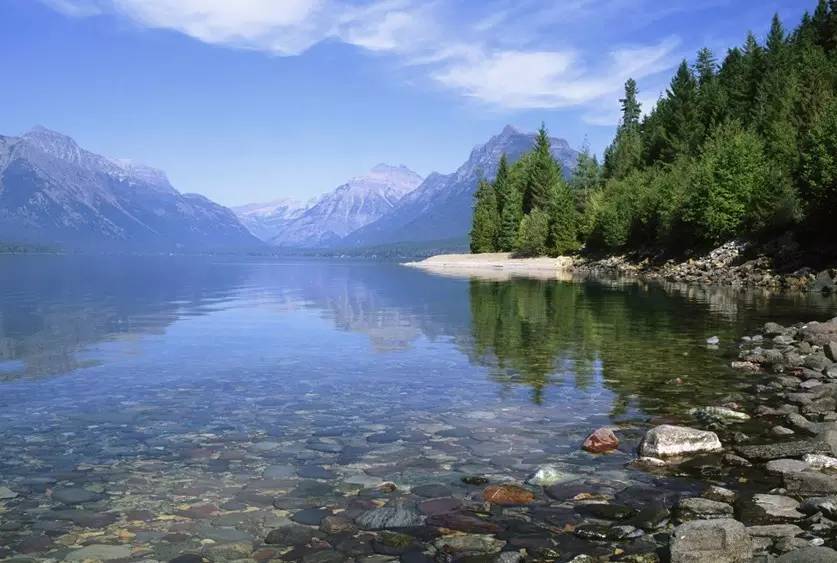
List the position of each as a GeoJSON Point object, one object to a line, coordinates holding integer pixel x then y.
{"type": "Point", "coordinates": [533, 233]}
{"type": "Point", "coordinates": [509, 207]}
{"type": "Point", "coordinates": [625, 153]}
{"type": "Point", "coordinates": [681, 124]}
{"type": "Point", "coordinates": [631, 108]}
{"type": "Point", "coordinates": [562, 221]}
{"type": "Point", "coordinates": [486, 219]}
{"type": "Point", "coordinates": [706, 67]}
{"type": "Point", "coordinates": [543, 174]}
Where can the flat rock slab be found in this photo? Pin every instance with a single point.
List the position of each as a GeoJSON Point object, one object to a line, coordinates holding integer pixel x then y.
{"type": "Point", "coordinates": [769, 509]}
{"type": "Point", "coordinates": [99, 553]}
{"type": "Point", "coordinates": [810, 483]}
{"type": "Point", "coordinates": [667, 440]}
{"type": "Point", "coordinates": [74, 495]}
{"type": "Point", "coordinates": [809, 555]}
{"type": "Point", "coordinates": [711, 541]}
{"type": "Point", "coordinates": [767, 452]}
{"type": "Point", "coordinates": [6, 493]}
{"type": "Point", "coordinates": [775, 531]}
{"type": "Point", "coordinates": [782, 466]}
{"type": "Point", "coordinates": [695, 508]}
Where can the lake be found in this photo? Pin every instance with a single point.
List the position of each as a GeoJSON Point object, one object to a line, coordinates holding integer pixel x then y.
{"type": "Point", "coordinates": [157, 406]}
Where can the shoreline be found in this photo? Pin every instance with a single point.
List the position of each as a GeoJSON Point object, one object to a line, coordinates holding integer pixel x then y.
{"type": "Point", "coordinates": [728, 265]}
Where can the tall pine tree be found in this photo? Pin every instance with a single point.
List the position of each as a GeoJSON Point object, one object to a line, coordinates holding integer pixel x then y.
{"type": "Point", "coordinates": [542, 176]}
{"type": "Point", "coordinates": [486, 219]}
{"type": "Point", "coordinates": [509, 207]}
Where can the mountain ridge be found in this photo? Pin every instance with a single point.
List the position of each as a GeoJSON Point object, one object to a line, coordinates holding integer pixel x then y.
{"type": "Point", "coordinates": [53, 191]}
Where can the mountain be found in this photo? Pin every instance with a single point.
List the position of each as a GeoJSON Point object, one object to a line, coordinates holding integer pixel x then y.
{"type": "Point", "coordinates": [55, 193]}
{"type": "Point", "coordinates": [267, 220]}
{"type": "Point", "coordinates": [440, 208]}
{"type": "Point", "coordinates": [356, 203]}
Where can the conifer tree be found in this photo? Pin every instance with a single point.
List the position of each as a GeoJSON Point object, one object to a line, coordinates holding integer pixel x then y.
{"type": "Point", "coordinates": [682, 127]}
{"type": "Point", "coordinates": [625, 153]}
{"type": "Point", "coordinates": [486, 219]}
{"type": "Point", "coordinates": [509, 207]}
{"type": "Point", "coordinates": [543, 174]}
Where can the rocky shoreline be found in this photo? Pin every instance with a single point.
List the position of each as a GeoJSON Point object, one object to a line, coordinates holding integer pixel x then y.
{"type": "Point", "coordinates": [735, 264]}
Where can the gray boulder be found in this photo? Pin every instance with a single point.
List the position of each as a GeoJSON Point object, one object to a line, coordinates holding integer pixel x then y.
{"type": "Point", "coordinates": [668, 440]}
{"type": "Point", "coordinates": [809, 555]}
{"type": "Point", "coordinates": [711, 541]}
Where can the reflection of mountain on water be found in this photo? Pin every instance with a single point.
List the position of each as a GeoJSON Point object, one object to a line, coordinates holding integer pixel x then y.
{"type": "Point", "coordinates": [52, 308]}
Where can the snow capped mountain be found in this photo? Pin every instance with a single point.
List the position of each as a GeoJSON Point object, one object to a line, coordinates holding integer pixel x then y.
{"type": "Point", "coordinates": [440, 208]}
{"type": "Point", "coordinates": [56, 193]}
{"type": "Point", "coordinates": [267, 220]}
{"type": "Point", "coordinates": [331, 217]}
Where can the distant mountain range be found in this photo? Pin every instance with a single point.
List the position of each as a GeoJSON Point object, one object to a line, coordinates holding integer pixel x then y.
{"type": "Point", "coordinates": [392, 205]}
{"type": "Point", "coordinates": [327, 220]}
{"type": "Point", "coordinates": [54, 193]}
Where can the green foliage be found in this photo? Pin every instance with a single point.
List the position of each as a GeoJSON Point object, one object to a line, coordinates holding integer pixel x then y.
{"type": "Point", "coordinates": [486, 219]}
{"type": "Point", "coordinates": [510, 207]}
{"type": "Point", "coordinates": [533, 233]}
{"type": "Point", "coordinates": [543, 175]}
{"type": "Point", "coordinates": [741, 149]}
{"type": "Point", "coordinates": [730, 177]}
{"type": "Point", "coordinates": [818, 170]}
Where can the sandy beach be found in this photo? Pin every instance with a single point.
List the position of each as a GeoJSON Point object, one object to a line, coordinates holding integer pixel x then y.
{"type": "Point", "coordinates": [497, 265]}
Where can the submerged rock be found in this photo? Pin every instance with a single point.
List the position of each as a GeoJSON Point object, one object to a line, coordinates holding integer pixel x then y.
{"type": "Point", "coordinates": [809, 555]}
{"type": "Point", "coordinates": [600, 441]}
{"type": "Point", "coordinates": [547, 475]}
{"type": "Point", "coordinates": [398, 515]}
{"type": "Point", "coordinates": [669, 440]}
{"type": "Point", "coordinates": [721, 413]}
{"type": "Point", "coordinates": [507, 495]}
{"type": "Point", "coordinates": [99, 553]}
{"type": "Point", "coordinates": [6, 493]}
{"type": "Point", "coordinates": [766, 452]}
{"type": "Point", "coordinates": [711, 541]}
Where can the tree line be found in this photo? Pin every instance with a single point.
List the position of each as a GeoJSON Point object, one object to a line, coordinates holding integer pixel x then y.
{"type": "Point", "coordinates": [744, 148]}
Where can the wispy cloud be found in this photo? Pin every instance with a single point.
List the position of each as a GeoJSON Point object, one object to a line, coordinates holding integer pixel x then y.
{"type": "Point", "coordinates": [482, 56]}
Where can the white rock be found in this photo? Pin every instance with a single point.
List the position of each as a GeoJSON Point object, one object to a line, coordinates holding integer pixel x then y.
{"type": "Point", "coordinates": [720, 412]}
{"type": "Point", "coordinates": [6, 493]}
{"type": "Point", "coordinates": [668, 440]}
{"type": "Point", "coordinates": [819, 461]}
{"type": "Point", "coordinates": [549, 475]}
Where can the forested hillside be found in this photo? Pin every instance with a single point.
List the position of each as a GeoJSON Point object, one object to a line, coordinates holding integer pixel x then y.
{"type": "Point", "coordinates": [742, 149]}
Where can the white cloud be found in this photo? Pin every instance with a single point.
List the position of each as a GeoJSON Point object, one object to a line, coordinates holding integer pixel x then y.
{"type": "Point", "coordinates": [509, 70]}
{"type": "Point", "coordinates": [552, 79]}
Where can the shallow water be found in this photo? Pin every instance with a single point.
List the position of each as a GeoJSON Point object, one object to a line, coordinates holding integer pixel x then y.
{"type": "Point", "coordinates": [188, 397]}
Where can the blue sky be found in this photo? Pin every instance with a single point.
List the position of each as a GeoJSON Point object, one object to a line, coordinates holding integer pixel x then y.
{"type": "Point", "coordinates": [251, 100]}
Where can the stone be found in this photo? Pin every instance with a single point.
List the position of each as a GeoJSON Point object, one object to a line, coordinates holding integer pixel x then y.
{"type": "Point", "coordinates": [432, 490]}
{"type": "Point", "coordinates": [291, 535]}
{"type": "Point", "coordinates": [720, 413]}
{"type": "Point", "coordinates": [774, 508]}
{"type": "Point", "coordinates": [600, 441]}
{"type": "Point", "coordinates": [668, 440]}
{"type": "Point", "coordinates": [826, 505]}
{"type": "Point", "coordinates": [74, 495]}
{"type": "Point", "coordinates": [801, 423]}
{"type": "Point", "coordinates": [6, 493]}
{"type": "Point", "coordinates": [819, 461]}
{"type": "Point", "coordinates": [607, 511]}
{"type": "Point", "coordinates": [99, 553]}
{"type": "Point", "coordinates": [809, 555]}
{"type": "Point", "coordinates": [397, 515]}
{"type": "Point", "coordinates": [336, 524]}
{"type": "Point", "coordinates": [711, 541]}
{"type": "Point", "coordinates": [310, 516]}
{"type": "Point", "coordinates": [810, 483]}
{"type": "Point", "coordinates": [507, 495]}
{"type": "Point", "coordinates": [766, 452]}
{"type": "Point", "coordinates": [781, 431]}
{"type": "Point", "coordinates": [463, 522]}
{"type": "Point", "coordinates": [189, 558]}
{"type": "Point", "coordinates": [475, 480]}
{"type": "Point", "coordinates": [713, 341]}
{"type": "Point", "coordinates": [782, 466]}
{"type": "Point", "coordinates": [735, 460]}
{"type": "Point", "coordinates": [439, 505]}
{"type": "Point", "coordinates": [772, 329]}
{"type": "Point", "coordinates": [714, 492]}
{"type": "Point", "coordinates": [775, 530]}
{"type": "Point", "coordinates": [650, 517]}
{"type": "Point", "coordinates": [547, 475]}
{"type": "Point", "coordinates": [469, 543]}
{"type": "Point", "coordinates": [694, 508]}
{"type": "Point", "coordinates": [830, 350]}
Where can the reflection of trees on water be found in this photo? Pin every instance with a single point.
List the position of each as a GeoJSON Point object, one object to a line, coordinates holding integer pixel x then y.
{"type": "Point", "coordinates": [532, 331]}
{"type": "Point", "coordinates": [646, 341]}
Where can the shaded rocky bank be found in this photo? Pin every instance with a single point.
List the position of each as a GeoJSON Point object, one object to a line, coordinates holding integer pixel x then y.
{"type": "Point", "coordinates": [779, 265]}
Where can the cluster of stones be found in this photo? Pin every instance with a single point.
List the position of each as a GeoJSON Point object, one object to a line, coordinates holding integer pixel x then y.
{"type": "Point", "coordinates": [792, 510]}
{"type": "Point", "coordinates": [724, 265]}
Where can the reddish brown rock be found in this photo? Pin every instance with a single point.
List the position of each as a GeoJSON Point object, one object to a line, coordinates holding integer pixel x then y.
{"type": "Point", "coordinates": [600, 441]}
{"type": "Point", "coordinates": [507, 495]}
